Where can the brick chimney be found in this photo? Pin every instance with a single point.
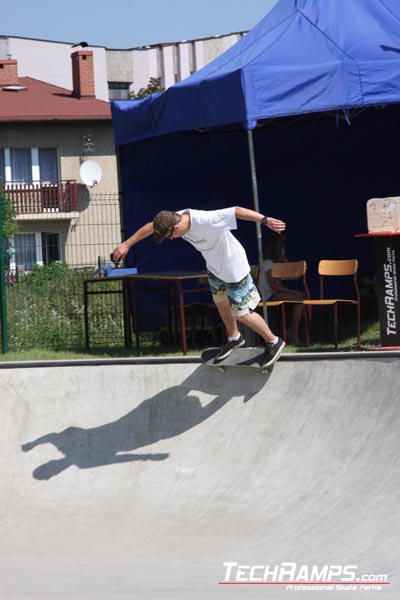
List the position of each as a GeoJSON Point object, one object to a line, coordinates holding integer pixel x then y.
{"type": "Point", "coordinates": [8, 72]}
{"type": "Point", "coordinates": [82, 74]}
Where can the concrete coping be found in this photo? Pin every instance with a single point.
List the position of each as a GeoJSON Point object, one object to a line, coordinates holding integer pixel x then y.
{"type": "Point", "coordinates": [194, 359]}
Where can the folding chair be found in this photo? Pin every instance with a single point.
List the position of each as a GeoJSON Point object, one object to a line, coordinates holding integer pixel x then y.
{"type": "Point", "coordinates": [200, 313]}
{"type": "Point", "coordinates": [290, 271]}
{"type": "Point", "coordinates": [338, 268]}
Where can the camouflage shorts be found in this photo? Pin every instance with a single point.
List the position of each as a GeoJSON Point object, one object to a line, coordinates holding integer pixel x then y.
{"type": "Point", "coordinates": [242, 295]}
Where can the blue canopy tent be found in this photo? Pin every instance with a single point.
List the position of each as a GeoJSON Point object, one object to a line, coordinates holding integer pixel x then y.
{"type": "Point", "coordinates": [305, 57]}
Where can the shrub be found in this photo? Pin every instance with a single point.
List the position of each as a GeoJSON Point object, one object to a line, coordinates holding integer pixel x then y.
{"type": "Point", "coordinates": [46, 310]}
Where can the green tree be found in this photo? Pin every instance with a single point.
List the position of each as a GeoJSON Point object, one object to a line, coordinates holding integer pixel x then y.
{"type": "Point", "coordinates": [153, 87]}
{"type": "Point", "coordinates": [8, 213]}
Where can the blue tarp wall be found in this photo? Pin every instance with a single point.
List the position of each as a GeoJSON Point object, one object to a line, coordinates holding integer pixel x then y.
{"type": "Point", "coordinates": [316, 175]}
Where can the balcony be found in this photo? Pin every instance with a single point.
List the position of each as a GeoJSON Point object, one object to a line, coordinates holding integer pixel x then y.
{"type": "Point", "coordinates": [42, 198]}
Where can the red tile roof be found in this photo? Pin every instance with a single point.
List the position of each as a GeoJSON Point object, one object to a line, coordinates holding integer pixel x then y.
{"type": "Point", "coordinates": [42, 101]}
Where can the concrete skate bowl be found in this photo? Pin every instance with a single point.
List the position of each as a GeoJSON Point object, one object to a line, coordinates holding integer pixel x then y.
{"type": "Point", "coordinates": [140, 480]}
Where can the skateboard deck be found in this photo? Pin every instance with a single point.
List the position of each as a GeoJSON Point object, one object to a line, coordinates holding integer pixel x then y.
{"type": "Point", "coordinates": [239, 357]}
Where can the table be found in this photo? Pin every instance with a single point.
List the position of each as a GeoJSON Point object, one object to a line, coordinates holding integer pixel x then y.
{"type": "Point", "coordinates": [387, 268]}
{"type": "Point", "coordinates": [171, 281]}
{"type": "Point", "coordinates": [174, 280]}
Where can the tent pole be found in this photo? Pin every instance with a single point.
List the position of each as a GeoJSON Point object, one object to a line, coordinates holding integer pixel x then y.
{"type": "Point", "coordinates": [261, 280]}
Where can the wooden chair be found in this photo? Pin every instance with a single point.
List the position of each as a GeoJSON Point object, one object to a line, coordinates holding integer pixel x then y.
{"type": "Point", "coordinates": [200, 313]}
{"type": "Point", "coordinates": [290, 271]}
{"type": "Point", "coordinates": [338, 268]}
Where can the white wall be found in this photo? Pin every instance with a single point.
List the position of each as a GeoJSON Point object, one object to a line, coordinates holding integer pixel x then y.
{"type": "Point", "coordinates": [51, 62]}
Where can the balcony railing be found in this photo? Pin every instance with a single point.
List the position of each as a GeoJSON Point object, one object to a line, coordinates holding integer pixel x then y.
{"type": "Point", "coordinates": [42, 197]}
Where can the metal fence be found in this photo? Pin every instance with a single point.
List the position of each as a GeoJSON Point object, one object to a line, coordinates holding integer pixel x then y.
{"type": "Point", "coordinates": [46, 262]}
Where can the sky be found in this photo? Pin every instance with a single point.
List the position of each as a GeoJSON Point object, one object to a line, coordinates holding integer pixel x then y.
{"type": "Point", "coordinates": [129, 23]}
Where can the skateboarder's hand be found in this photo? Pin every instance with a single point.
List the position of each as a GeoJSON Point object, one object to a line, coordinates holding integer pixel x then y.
{"type": "Point", "coordinates": [120, 252]}
{"type": "Point", "coordinates": [276, 225]}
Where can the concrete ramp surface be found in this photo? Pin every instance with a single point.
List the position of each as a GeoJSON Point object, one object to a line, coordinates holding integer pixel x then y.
{"type": "Point", "coordinates": [177, 481]}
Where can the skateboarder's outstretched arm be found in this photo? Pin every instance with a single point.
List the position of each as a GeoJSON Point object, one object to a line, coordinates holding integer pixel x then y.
{"type": "Point", "coordinates": [122, 249]}
{"type": "Point", "coordinates": [246, 214]}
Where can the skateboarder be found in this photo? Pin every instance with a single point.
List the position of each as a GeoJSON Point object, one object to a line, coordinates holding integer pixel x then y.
{"type": "Point", "coordinates": [234, 292]}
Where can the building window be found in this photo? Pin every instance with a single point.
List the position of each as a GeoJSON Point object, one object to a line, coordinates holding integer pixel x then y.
{"type": "Point", "coordinates": [21, 164]}
{"type": "Point", "coordinates": [25, 251]}
{"type": "Point", "coordinates": [51, 250]}
{"type": "Point", "coordinates": [2, 165]}
{"type": "Point", "coordinates": [32, 249]}
{"type": "Point", "coordinates": [161, 65]}
{"type": "Point", "coordinates": [177, 63]}
{"type": "Point", "coordinates": [118, 90]}
{"type": "Point", "coordinates": [192, 58]}
{"type": "Point", "coordinates": [30, 164]}
{"type": "Point", "coordinates": [48, 164]}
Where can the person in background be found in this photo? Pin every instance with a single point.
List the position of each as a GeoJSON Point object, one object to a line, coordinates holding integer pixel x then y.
{"type": "Point", "coordinates": [274, 252]}
{"type": "Point", "coordinates": [234, 291]}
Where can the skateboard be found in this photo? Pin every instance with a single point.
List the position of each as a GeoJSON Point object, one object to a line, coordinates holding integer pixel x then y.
{"type": "Point", "coordinates": [239, 357]}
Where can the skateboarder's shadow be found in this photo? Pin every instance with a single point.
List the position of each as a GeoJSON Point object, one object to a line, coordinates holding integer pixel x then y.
{"type": "Point", "coordinates": [164, 415]}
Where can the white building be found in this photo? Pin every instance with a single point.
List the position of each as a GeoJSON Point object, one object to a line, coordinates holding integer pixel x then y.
{"type": "Point", "coordinates": [117, 71]}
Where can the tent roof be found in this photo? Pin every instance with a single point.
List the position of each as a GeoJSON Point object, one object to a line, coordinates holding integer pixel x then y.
{"type": "Point", "coordinates": [305, 56]}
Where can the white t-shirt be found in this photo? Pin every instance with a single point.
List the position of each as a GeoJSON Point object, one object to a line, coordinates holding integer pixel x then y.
{"type": "Point", "coordinates": [210, 234]}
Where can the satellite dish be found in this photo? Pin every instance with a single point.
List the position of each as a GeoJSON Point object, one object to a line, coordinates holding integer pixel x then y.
{"type": "Point", "coordinates": [90, 173]}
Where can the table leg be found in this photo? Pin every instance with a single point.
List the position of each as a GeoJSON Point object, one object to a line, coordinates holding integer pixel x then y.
{"type": "Point", "coordinates": [127, 320]}
{"type": "Point", "coordinates": [86, 317]}
{"type": "Point", "coordinates": [182, 316]}
{"type": "Point", "coordinates": [135, 315]}
{"type": "Point", "coordinates": [170, 305]}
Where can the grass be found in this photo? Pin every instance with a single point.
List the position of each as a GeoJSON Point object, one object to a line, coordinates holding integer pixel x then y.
{"type": "Point", "coordinates": [370, 338]}
{"type": "Point", "coordinates": [150, 347]}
